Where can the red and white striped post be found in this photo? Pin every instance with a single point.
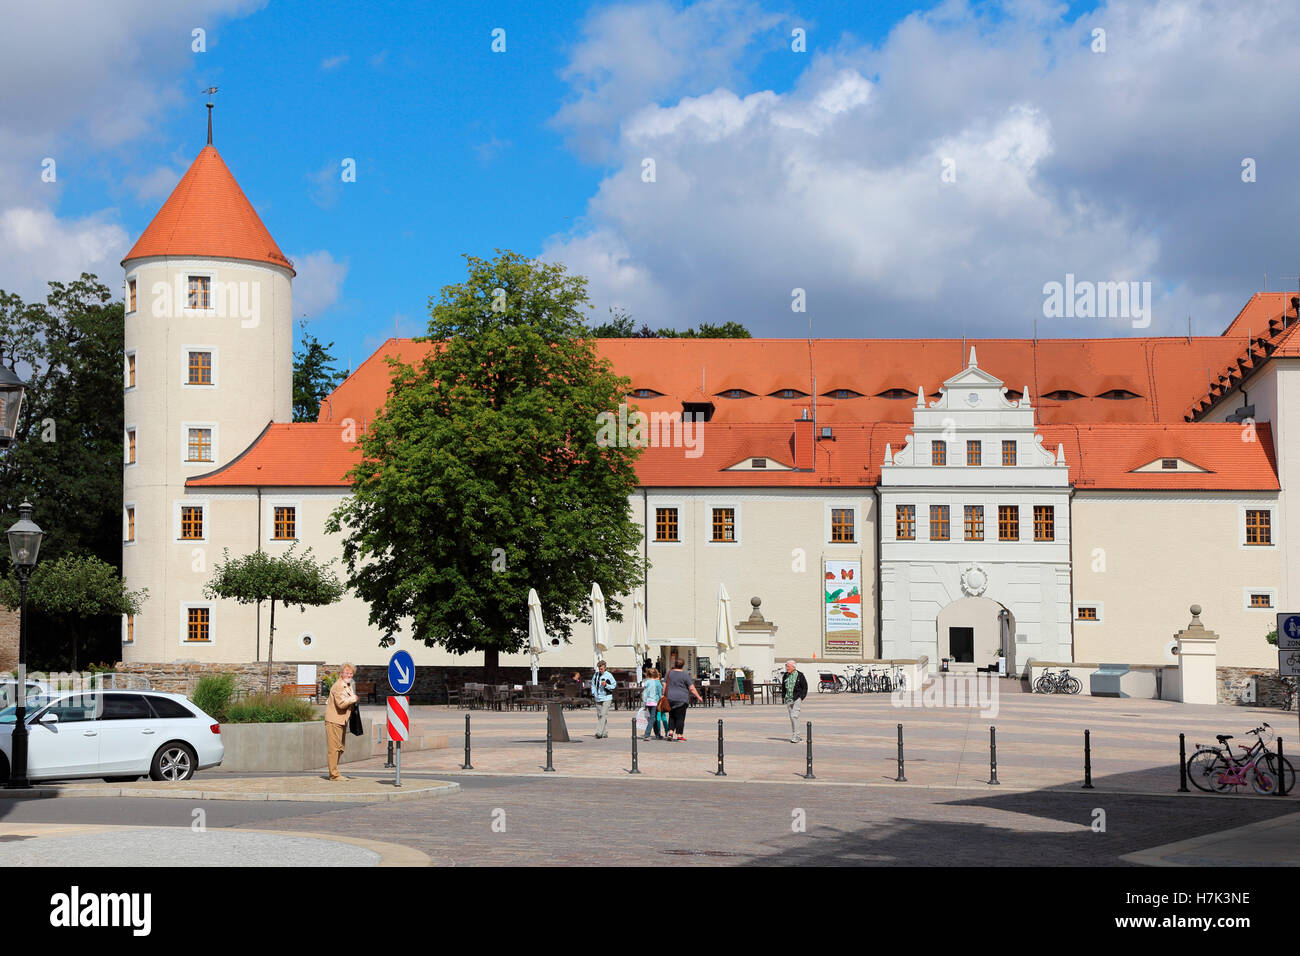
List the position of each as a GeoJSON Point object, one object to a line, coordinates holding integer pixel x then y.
{"type": "Point", "coordinates": [399, 727]}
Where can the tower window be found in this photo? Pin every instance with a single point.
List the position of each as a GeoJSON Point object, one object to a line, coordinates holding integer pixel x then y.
{"type": "Point", "coordinates": [130, 295]}
{"type": "Point", "coordinates": [200, 444]}
{"type": "Point", "coordinates": [130, 524]}
{"type": "Point", "coordinates": [192, 523]}
{"type": "Point", "coordinates": [200, 292]}
{"type": "Point", "coordinates": [129, 636]}
{"type": "Point", "coordinates": [198, 626]}
{"type": "Point", "coordinates": [130, 370]}
{"type": "Point", "coordinates": [130, 446]}
{"type": "Point", "coordinates": [1258, 527]}
{"type": "Point", "coordinates": [200, 368]}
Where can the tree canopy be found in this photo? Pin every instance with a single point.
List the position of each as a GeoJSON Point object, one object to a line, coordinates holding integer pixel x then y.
{"type": "Point", "coordinates": [620, 325]}
{"type": "Point", "coordinates": [482, 476]}
{"type": "Point", "coordinates": [314, 377]}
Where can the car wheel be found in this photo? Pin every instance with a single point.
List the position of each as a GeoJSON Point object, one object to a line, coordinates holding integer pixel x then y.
{"type": "Point", "coordinates": [131, 779]}
{"type": "Point", "coordinates": [173, 762]}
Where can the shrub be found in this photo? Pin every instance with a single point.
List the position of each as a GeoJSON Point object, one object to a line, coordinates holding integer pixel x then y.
{"type": "Point", "coordinates": [212, 695]}
{"type": "Point", "coordinates": [270, 709]}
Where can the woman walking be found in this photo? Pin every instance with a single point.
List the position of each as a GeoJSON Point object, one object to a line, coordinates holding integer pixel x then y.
{"type": "Point", "coordinates": [338, 709]}
{"type": "Point", "coordinates": [650, 694]}
{"type": "Point", "coordinates": [680, 688]}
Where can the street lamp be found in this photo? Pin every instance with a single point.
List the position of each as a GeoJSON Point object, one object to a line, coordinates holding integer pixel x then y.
{"type": "Point", "coordinates": [24, 544]}
{"type": "Point", "coordinates": [12, 389]}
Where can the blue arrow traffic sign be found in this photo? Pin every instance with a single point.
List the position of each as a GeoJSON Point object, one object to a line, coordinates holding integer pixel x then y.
{"type": "Point", "coordinates": [401, 672]}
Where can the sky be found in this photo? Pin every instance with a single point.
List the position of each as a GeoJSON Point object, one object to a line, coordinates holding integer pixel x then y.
{"type": "Point", "coordinates": [898, 169]}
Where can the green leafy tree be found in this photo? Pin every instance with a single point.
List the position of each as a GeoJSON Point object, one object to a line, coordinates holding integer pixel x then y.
{"type": "Point", "coordinates": [71, 592]}
{"type": "Point", "coordinates": [314, 377]}
{"type": "Point", "coordinates": [483, 477]}
{"type": "Point", "coordinates": [621, 326]}
{"type": "Point", "coordinates": [295, 580]}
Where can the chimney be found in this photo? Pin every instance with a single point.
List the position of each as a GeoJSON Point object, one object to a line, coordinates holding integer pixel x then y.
{"type": "Point", "coordinates": [804, 442]}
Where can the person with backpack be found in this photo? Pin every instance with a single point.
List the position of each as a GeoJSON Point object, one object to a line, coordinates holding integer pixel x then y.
{"type": "Point", "coordinates": [794, 688]}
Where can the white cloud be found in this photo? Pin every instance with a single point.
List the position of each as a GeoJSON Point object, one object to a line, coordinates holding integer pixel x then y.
{"type": "Point", "coordinates": [36, 247]}
{"type": "Point", "coordinates": [333, 62]}
{"type": "Point", "coordinates": [157, 184]}
{"type": "Point", "coordinates": [1118, 165]}
{"type": "Point", "coordinates": [318, 283]}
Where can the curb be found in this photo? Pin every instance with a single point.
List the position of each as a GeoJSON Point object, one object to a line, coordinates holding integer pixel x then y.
{"type": "Point", "coordinates": [436, 790]}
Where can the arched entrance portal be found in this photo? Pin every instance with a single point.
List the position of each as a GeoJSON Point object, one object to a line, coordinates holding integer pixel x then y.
{"type": "Point", "coordinates": [971, 630]}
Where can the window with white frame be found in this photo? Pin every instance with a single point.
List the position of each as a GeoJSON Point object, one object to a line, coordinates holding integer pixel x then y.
{"type": "Point", "coordinates": [196, 623]}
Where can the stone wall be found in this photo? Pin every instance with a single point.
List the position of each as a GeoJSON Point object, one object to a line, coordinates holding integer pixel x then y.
{"type": "Point", "coordinates": [8, 639]}
{"type": "Point", "coordinates": [1234, 687]}
{"type": "Point", "coordinates": [180, 677]}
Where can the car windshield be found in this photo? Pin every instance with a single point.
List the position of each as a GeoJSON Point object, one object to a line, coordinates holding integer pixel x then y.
{"type": "Point", "coordinates": [33, 704]}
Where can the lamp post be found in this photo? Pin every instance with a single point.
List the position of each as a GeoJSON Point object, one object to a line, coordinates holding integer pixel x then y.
{"type": "Point", "coordinates": [12, 389]}
{"type": "Point", "coordinates": [24, 544]}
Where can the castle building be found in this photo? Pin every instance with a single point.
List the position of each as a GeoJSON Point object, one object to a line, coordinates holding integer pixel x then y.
{"type": "Point", "coordinates": [1058, 499]}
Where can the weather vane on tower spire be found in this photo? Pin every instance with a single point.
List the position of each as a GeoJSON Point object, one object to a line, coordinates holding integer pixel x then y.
{"type": "Point", "coordinates": [210, 90]}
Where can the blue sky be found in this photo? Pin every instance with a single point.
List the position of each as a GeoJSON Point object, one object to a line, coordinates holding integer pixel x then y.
{"type": "Point", "coordinates": [818, 170]}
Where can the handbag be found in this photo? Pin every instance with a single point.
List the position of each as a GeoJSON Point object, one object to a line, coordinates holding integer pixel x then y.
{"type": "Point", "coordinates": [664, 707]}
{"type": "Point", "coordinates": [354, 722]}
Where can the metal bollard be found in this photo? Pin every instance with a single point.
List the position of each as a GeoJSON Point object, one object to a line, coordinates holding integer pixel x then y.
{"type": "Point", "coordinates": [1087, 761]}
{"type": "Point", "coordinates": [388, 763]}
{"type": "Point", "coordinates": [467, 765]}
{"type": "Point", "coordinates": [993, 756]}
{"type": "Point", "coordinates": [548, 768]}
{"type": "Point", "coordinates": [721, 771]}
{"type": "Point", "coordinates": [809, 774]}
{"type": "Point", "coordinates": [1182, 764]}
{"type": "Point", "coordinates": [634, 742]}
{"type": "Point", "coordinates": [1281, 771]}
{"type": "Point", "coordinates": [900, 778]}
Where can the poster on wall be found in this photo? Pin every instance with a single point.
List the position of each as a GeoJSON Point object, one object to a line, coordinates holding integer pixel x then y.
{"type": "Point", "coordinates": [843, 607]}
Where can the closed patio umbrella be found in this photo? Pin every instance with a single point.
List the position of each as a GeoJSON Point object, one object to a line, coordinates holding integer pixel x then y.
{"type": "Point", "coordinates": [723, 635]}
{"type": "Point", "coordinates": [538, 642]}
{"type": "Point", "coordinates": [640, 639]}
{"type": "Point", "coordinates": [599, 625]}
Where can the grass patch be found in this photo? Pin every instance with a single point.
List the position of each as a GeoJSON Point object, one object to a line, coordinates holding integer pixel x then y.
{"type": "Point", "coordinates": [271, 709]}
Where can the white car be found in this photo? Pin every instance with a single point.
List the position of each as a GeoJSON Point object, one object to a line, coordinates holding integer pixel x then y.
{"type": "Point", "coordinates": [119, 735]}
{"type": "Point", "coordinates": [9, 690]}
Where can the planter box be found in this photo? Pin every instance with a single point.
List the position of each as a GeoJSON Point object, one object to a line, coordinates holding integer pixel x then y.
{"type": "Point", "coordinates": [281, 747]}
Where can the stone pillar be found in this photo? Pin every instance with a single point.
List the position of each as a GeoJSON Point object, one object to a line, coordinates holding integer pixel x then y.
{"type": "Point", "coordinates": [756, 642]}
{"type": "Point", "coordinates": [1198, 662]}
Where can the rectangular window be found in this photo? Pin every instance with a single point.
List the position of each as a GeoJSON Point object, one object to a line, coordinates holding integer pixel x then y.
{"type": "Point", "coordinates": [200, 292]}
{"type": "Point", "coordinates": [974, 452]}
{"type": "Point", "coordinates": [974, 519]}
{"type": "Point", "coordinates": [286, 523]}
{"type": "Point", "coordinates": [938, 522]}
{"type": "Point", "coordinates": [192, 523]}
{"type": "Point", "coordinates": [130, 295]}
{"type": "Point", "coordinates": [1258, 530]}
{"type": "Point", "coordinates": [759, 463]}
{"type": "Point", "coordinates": [200, 446]}
{"type": "Point", "coordinates": [130, 446]}
{"type": "Point", "coordinates": [197, 628]}
{"type": "Point", "coordinates": [841, 525]}
{"type": "Point", "coordinates": [666, 524]}
{"type": "Point", "coordinates": [130, 524]}
{"type": "Point", "coordinates": [1169, 464]}
{"type": "Point", "coordinates": [1008, 522]}
{"type": "Point", "coordinates": [130, 370]}
{"type": "Point", "coordinates": [1008, 453]}
{"type": "Point", "coordinates": [905, 523]}
{"type": "Point", "coordinates": [129, 637]}
{"type": "Point", "coordinates": [1044, 523]}
{"type": "Point", "coordinates": [200, 366]}
{"type": "Point", "coordinates": [724, 524]}
{"type": "Point", "coordinates": [1261, 600]}
{"type": "Point", "coordinates": [1087, 613]}
{"type": "Point", "coordinates": [938, 453]}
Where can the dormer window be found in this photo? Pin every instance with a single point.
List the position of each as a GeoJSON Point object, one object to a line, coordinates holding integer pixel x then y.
{"type": "Point", "coordinates": [735, 393]}
{"type": "Point", "coordinates": [758, 463]}
{"type": "Point", "coordinates": [1169, 464]}
{"type": "Point", "coordinates": [1119, 394]}
{"type": "Point", "coordinates": [896, 393]}
{"type": "Point", "coordinates": [1062, 395]}
{"type": "Point", "coordinates": [842, 393]}
{"type": "Point", "coordinates": [789, 393]}
{"type": "Point", "coordinates": [644, 393]}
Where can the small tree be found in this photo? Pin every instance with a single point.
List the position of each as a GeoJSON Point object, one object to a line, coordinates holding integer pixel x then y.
{"type": "Point", "coordinates": [73, 589]}
{"type": "Point", "coordinates": [292, 579]}
{"type": "Point", "coordinates": [314, 377]}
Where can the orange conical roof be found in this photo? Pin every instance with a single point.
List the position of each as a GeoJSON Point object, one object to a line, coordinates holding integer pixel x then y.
{"type": "Point", "coordinates": [208, 215]}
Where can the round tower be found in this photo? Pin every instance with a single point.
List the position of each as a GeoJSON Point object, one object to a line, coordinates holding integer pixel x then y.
{"type": "Point", "coordinates": [208, 365]}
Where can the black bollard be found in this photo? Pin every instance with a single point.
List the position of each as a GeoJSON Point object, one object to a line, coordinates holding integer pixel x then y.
{"type": "Point", "coordinates": [467, 765]}
{"type": "Point", "coordinates": [634, 742]}
{"type": "Point", "coordinates": [809, 774]}
{"type": "Point", "coordinates": [900, 778]}
{"type": "Point", "coordinates": [388, 764]}
{"type": "Point", "coordinates": [548, 768]}
{"type": "Point", "coordinates": [1281, 771]}
{"type": "Point", "coordinates": [1087, 761]}
{"type": "Point", "coordinates": [993, 756]}
{"type": "Point", "coordinates": [1182, 763]}
{"type": "Point", "coordinates": [721, 772]}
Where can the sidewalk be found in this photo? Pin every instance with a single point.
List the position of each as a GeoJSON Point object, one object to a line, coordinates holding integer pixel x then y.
{"type": "Point", "coordinates": [306, 787]}
{"type": "Point", "coordinates": [1273, 842]}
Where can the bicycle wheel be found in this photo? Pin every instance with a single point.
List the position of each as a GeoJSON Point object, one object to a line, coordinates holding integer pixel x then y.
{"type": "Point", "coordinates": [1044, 686]}
{"type": "Point", "coordinates": [1072, 685]}
{"type": "Point", "coordinates": [1285, 774]}
{"type": "Point", "coordinates": [1204, 768]}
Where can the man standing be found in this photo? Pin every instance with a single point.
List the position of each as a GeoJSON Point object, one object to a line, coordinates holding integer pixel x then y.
{"type": "Point", "coordinates": [338, 708]}
{"type": "Point", "coordinates": [794, 688]}
{"type": "Point", "coordinates": [602, 690]}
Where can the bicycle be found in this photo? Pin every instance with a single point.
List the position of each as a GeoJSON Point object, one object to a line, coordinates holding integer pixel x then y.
{"type": "Point", "coordinates": [1218, 770]}
{"type": "Point", "coordinates": [1062, 683]}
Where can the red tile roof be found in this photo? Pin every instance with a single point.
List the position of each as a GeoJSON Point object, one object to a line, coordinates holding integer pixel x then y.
{"type": "Point", "coordinates": [299, 454]}
{"type": "Point", "coordinates": [1265, 328]}
{"type": "Point", "coordinates": [208, 215]}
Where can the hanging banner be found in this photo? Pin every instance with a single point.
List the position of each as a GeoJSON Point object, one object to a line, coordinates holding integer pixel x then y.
{"type": "Point", "coordinates": [843, 607]}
